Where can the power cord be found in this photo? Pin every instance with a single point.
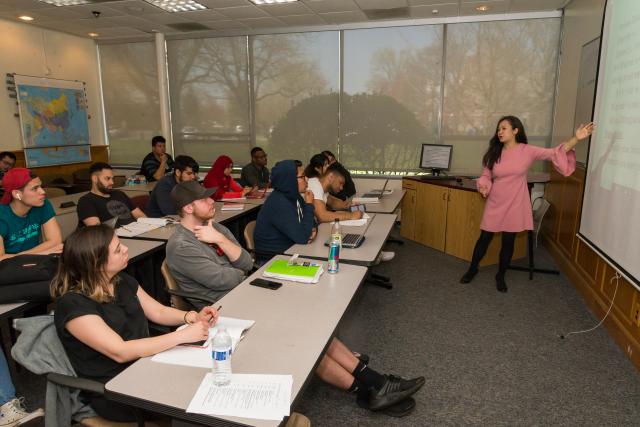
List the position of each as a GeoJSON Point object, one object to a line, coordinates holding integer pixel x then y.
{"type": "Point", "coordinates": [616, 278]}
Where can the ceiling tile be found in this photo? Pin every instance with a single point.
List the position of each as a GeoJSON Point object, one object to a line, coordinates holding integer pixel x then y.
{"type": "Point", "coordinates": [119, 32]}
{"type": "Point", "coordinates": [427, 2]}
{"type": "Point", "coordinates": [51, 13]}
{"type": "Point", "coordinates": [527, 5]}
{"type": "Point", "coordinates": [24, 4]}
{"type": "Point", "coordinates": [217, 4]}
{"type": "Point", "coordinates": [164, 18]}
{"type": "Point", "coordinates": [499, 6]}
{"type": "Point", "coordinates": [202, 15]}
{"type": "Point", "coordinates": [225, 25]}
{"type": "Point", "coordinates": [299, 20]}
{"type": "Point", "coordinates": [328, 6]}
{"type": "Point", "coordinates": [344, 17]}
{"type": "Point", "coordinates": [101, 22]}
{"type": "Point", "coordinates": [243, 12]}
{"type": "Point", "coordinates": [86, 10]}
{"type": "Point", "coordinates": [286, 9]}
{"type": "Point", "coordinates": [444, 10]}
{"type": "Point", "coordinates": [256, 23]}
{"type": "Point", "coordinates": [381, 4]}
{"type": "Point", "coordinates": [134, 7]}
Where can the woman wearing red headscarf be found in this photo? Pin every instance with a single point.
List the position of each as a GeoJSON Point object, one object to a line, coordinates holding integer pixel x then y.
{"type": "Point", "coordinates": [220, 176]}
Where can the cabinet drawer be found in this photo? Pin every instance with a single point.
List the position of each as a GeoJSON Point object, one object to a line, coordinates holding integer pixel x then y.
{"type": "Point", "coordinates": [409, 185]}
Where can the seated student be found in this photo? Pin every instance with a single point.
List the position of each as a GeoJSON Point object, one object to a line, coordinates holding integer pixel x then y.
{"type": "Point", "coordinates": [101, 314]}
{"type": "Point", "coordinates": [160, 204]}
{"type": "Point", "coordinates": [256, 173]}
{"type": "Point", "coordinates": [332, 180]}
{"type": "Point", "coordinates": [28, 222]}
{"type": "Point", "coordinates": [157, 163]}
{"type": "Point", "coordinates": [7, 161]}
{"type": "Point", "coordinates": [219, 177]}
{"type": "Point", "coordinates": [103, 203]}
{"type": "Point", "coordinates": [317, 166]}
{"type": "Point", "coordinates": [349, 189]}
{"type": "Point", "coordinates": [205, 259]}
{"type": "Point", "coordinates": [12, 410]}
{"type": "Point", "coordinates": [286, 218]}
{"type": "Point", "coordinates": [200, 267]}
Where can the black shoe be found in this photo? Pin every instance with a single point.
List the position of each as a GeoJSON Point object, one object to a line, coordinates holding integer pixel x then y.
{"type": "Point", "coordinates": [364, 358]}
{"type": "Point", "coordinates": [397, 410]}
{"type": "Point", "coordinates": [394, 390]}
{"type": "Point", "coordinates": [468, 276]}
{"type": "Point", "coordinates": [501, 285]}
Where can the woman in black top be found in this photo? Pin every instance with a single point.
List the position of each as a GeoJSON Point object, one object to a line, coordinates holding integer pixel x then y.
{"type": "Point", "coordinates": [101, 314]}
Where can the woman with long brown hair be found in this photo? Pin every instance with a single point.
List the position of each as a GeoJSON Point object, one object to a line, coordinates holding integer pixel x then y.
{"type": "Point", "coordinates": [101, 314]}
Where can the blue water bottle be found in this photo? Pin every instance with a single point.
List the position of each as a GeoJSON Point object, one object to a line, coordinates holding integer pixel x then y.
{"type": "Point", "coordinates": [334, 247]}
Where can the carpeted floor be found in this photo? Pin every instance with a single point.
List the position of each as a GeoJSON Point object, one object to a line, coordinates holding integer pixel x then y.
{"type": "Point", "coordinates": [490, 359]}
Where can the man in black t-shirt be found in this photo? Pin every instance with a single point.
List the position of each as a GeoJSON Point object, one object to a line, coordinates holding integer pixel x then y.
{"type": "Point", "coordinates": [157, 163]}
{"type": "Point", "coordinates": [103, 203]}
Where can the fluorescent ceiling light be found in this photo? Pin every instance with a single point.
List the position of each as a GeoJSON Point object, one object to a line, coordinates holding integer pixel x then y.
{"type": "Point", "coordinates": [482, 8]}
{"type": "Point", "coordinates": [93, 34]}
{"type": "Point", "coordinates": [177, 5]}
{"type": "Point", "coordinates": [26, 18]}
{"type": "Point", "coordinates": [271, 1]}
{"type": "Point", "coordinates": [66, 2]}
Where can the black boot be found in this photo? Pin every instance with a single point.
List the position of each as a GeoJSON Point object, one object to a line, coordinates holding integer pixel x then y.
{"type": "Point", "coordinates": [469, 275]}
{"type": "Point", "coordinates": [501, 285]}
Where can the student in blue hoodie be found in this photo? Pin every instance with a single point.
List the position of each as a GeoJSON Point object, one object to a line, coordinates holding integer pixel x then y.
{"type": "Point", "coordinates": [286, 218]}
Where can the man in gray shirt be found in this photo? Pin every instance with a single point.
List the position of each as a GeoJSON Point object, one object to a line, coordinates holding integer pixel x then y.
{"type": "Point", "coordinates": [203, 256]}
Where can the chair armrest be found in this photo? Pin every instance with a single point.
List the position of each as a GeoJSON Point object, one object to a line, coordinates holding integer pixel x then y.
{"type": "Point", "coordinates": [187, 294]}
{"type": "Point", "coordinates": [76, 382]}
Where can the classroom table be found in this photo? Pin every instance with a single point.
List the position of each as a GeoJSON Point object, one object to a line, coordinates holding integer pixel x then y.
{"type": "Point", "coordinates": [15, 308]}
{"type": "Point", "coordinates": [388, 203]}
{"type": "Point", "coordinates": [67, 217]}
{"type": "Point", "coordinates": [144, 188]}
{"type": "Point", "coordinates": [365, 255]}
{"type": "Point", "coordinates": [286, 328]}
{"type": "Point", "coordinates": [139, 249]}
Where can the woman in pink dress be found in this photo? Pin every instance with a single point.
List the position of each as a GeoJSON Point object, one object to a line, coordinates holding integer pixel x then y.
{"type": "Point", "coordinates": [504, 184]}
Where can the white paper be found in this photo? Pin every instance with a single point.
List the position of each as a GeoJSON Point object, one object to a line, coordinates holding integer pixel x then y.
{"type": "Point", "coordinates": [232, 207]}
{"type": "Point", "coordinates": [160, 222]}
{"type": "Point", "coordinates": [201, 357]}
{"type": "Point", "coordinates": [264, 397]}
{"type": "Point", "coordinates": [233, 199]}
{"type": "Point", "coordinates": [356, 222]}
{"type": "Point", "coordinates": [135, 229]}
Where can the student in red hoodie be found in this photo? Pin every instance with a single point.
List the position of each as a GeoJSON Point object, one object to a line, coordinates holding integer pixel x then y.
{"type": "Point", "coordinates": [219, 176]}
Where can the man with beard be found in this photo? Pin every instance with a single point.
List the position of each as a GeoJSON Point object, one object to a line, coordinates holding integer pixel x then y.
{"type": "Point", "coordinates": [203, 256]}
{"type": "Point", "coordinates": [103, 203]}
{"type": "Point", "coordinates": [160, 204]}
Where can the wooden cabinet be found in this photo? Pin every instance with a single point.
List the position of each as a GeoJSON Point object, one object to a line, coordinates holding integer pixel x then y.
{"type": "Point", "coordinates": [446, 216]}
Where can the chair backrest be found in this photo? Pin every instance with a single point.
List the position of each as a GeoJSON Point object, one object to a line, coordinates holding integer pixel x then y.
{"type": "Point", "coordinates": [248, 236]}
{"type": "Point", "coordinates": [54, 192]}
{"type": "Point", "coordinates": [140, 201]}
{"type": "Point", "coordinates": [540, 208]}
{"type": "Point", "coordinates": [176, 301]}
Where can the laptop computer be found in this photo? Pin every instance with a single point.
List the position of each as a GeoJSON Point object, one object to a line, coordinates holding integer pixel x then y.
{"type": "Point", "coordinates": [353, 240]}
{"type": "Point", "coordinates": [374, 194]}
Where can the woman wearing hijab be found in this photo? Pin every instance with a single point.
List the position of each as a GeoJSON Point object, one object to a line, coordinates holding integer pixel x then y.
{"type": "Point", "coordinates": [219, 176]}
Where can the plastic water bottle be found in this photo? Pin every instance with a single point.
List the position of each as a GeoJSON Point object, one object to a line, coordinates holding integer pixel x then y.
{"type": "Point", "coordinates": [334, 247]}
{"type": "Point", "coordinates": [221, 355]}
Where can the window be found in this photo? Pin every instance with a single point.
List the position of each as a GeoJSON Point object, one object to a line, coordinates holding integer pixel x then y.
{"type": "Point", "coordinates": [132, 109]}
{"type": "Point", "coordinates": [391, 100]}
{"type": "Point", "coordinates": [209, 91]}
{"type": "Point", "coordinates": [296, 84]}
{"type": "Point", "coordinates": [495, 69]}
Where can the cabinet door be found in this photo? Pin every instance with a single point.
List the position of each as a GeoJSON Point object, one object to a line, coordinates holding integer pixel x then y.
{"type": "Point", "coordinates": [407, 221]}
{"type": "Point", "coordinates": [431, 215]}
{"type": "Point", "coordinates": [464, 214]}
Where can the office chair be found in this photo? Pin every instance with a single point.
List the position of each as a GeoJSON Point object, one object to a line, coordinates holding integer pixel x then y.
{"type": "Point", "coordinates": [177, 295]}
{"type": "Point", "coordinates": [140, 201]}
{"type": "Point", "coordinates": [248, 238]}
{"type": "Point", "coordinates": [54, 192]}
{"type": "Point", "coordinates": [540, 207]}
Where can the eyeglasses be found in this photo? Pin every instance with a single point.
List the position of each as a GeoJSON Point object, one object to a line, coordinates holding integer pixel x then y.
{"type": "Point", "coordinates": [301, 177]}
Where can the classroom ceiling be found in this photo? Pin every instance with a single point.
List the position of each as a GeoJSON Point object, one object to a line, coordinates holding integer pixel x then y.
{"type": "Point", "coordinates": [133, 19]}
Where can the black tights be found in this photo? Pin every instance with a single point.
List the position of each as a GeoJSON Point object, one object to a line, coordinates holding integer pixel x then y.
{"type": "Point", "coordinates": [506, 251]}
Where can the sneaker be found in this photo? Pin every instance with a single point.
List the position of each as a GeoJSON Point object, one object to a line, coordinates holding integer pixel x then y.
{"type": "Point", "coordinates": [13, 413]}
{"type": "Point", "coordinates": [397, 410]}
{"type": "Point", "coordinates": [468, 276]}
{"type": "Point", "coordinates": [387, 256]}
{"type": "Point", "coordinates": [394, 390]}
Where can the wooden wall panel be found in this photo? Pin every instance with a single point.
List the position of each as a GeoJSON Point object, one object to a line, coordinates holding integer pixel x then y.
{"type": "Point", "coordinates": [99, 153]}
{"type": "Point", "coordinates": [586, 270]}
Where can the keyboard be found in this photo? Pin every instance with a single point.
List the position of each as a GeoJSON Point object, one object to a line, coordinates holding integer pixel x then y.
{"type": "Point", "coordinates": [350, 239]}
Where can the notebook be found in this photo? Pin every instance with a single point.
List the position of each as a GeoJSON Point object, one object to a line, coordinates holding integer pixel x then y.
{"type": "Point", "coordinates": [304, 272]}
{"type": "Point", "coordinates": [232, 206]}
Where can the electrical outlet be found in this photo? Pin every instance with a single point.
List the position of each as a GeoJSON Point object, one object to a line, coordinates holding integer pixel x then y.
{"type": "Point", "coordinates": [635, 313]}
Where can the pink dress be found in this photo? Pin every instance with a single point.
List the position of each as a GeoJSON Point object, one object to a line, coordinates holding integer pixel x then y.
{"type": "Point", "coordinates": [508, 205]}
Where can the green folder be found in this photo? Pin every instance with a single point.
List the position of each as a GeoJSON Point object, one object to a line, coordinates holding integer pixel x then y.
{"type": "Point", "coordinates": [282, 267]}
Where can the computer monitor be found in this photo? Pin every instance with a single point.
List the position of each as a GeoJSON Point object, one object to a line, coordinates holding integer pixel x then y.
{"type": "Point", "coordinates": [436, 157]}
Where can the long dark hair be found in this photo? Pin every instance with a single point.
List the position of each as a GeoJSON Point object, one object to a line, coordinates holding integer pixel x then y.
{"type": "Point", "coordinates": [317, 162]}
{"type": "Point", "coordinates": [82, 265]}
{"type": "Point", "coordinates": [492, 156]}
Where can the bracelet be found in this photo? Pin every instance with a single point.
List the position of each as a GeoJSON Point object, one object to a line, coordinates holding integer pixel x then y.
{"type": "Point", "coordinates": [185, 317]}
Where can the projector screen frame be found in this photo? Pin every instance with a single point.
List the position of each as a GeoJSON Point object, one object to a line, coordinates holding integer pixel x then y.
{"type": "Point", "coordinates": [635, 282]}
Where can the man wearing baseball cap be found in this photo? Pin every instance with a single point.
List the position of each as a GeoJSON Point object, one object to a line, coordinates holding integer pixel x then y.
{"type": "Point", "coordinates": [25, 216]}
{"type": "Point", "coordinates": [203, 256]}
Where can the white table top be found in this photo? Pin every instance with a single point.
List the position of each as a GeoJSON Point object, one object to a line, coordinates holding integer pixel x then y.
{"type": "Point", "coordinates": [139, 248]}
{"type": "Point", "coordinates": [56, 201]}
{"type": "Point", "coordinates": [366, 254]}
{"type": "Point", "coordinates": [388, 204]}
{"type": "Point", "coordinates": [7, 310]}
{"type": "Point", "coordinates": [293, 326]}
{"type": "Point", "coordinates": [165, 233]}
{"type": "Point", "coordinates": [146, 188]}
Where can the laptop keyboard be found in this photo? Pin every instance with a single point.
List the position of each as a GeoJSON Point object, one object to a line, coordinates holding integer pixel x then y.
{"type": "Point", "coordinates": [350, 239]}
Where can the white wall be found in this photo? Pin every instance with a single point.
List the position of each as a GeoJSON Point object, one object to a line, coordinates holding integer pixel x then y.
{"type": "Point", "coordinates": [582, 23]}
{"type": "Point", "coordinates": [29, 50]}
